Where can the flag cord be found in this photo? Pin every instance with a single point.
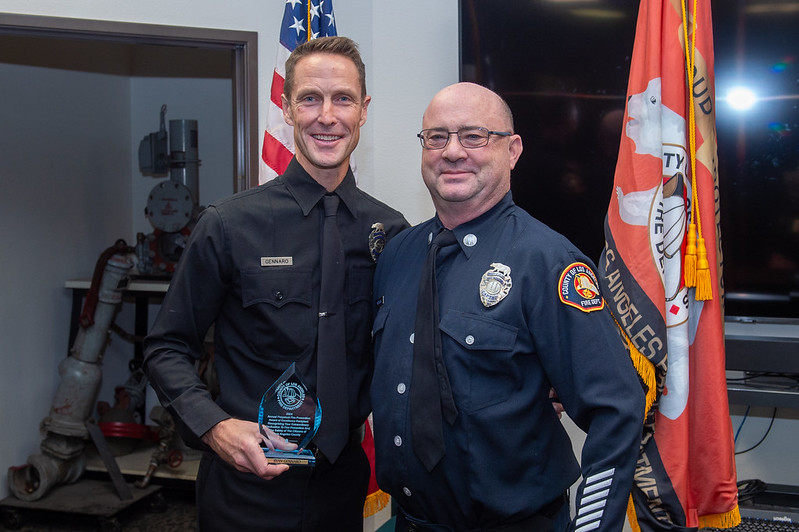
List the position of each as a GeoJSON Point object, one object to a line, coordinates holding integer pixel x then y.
{"type": "Point", "coordinates": [308, 33]}
{"type": "Point", "coordinates": [697, 268]}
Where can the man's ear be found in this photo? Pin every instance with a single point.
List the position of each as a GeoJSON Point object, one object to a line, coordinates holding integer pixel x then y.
{"type": "Point", "coordinates": [286, 110]}
{"type": "Point", "coordinates": [365, 109]}
{"type": "Point", "coordinates": [515, 150]}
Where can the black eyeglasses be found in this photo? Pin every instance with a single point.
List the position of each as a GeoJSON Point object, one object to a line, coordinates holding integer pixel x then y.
{"type": "Point", "coordinates": [469, 137]}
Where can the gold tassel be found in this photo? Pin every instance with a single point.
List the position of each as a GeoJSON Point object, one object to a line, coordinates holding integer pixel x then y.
{"type": "Point", "coordinates": [375, 502]}
{"type": "Point", "coordinates": [690, 257]}
{"type": "Point", "coordinates": [704, 286]}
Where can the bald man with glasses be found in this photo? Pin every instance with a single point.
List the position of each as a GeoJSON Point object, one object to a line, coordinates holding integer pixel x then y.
{"type": "Point", "coordinates": [506, 308]}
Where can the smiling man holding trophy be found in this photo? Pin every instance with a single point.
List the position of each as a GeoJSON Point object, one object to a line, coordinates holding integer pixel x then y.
{"type": "Point", "coordinates": [284, 273]}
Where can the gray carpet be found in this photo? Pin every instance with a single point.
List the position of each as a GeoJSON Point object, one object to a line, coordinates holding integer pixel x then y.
{"type": "Point", "coordinates": [166, 510]}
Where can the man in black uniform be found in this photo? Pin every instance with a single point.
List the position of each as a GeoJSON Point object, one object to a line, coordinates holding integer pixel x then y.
{"type": "Point", "coordinates": [253, 269]}
{"type": "Point", "coordinates": [465, 433]}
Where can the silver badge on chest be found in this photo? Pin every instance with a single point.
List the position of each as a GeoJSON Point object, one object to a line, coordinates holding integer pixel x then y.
{"type": "Point", "coordinates": [495, 284]}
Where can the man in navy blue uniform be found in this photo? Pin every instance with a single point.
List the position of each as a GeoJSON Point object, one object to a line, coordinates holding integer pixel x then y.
{"type": "Point", "coordinates": [253, 268]}
{"type": "Point", "coordinates": [519, 313]}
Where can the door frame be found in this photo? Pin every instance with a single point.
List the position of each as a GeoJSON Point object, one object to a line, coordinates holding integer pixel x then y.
{"type": "Point", "coordinates": [243, 44]}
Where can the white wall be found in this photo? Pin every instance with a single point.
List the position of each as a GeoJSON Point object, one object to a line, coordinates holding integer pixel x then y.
{"type": "Point", "coordinates": [51, 229]}
{"type": "Point", "coordinates": [414, 54]}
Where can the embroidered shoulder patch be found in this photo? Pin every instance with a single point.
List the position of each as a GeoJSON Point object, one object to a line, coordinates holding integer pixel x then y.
{"type": "Point", "coordinates": [578, 287]}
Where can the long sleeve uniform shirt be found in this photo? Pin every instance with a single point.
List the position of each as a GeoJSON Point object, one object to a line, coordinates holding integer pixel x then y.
{"type": "Point", "coordinates": [507, 454]}
{"type": "Point", "coordinates": [252, 269]}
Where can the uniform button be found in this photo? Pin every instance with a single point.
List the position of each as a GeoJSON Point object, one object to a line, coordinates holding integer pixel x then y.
{"type": "Point", "coordinates": [401, 388]}
{"type": "Point", "coordinates": [406, 491]}
{"type": "Point", "coordinates": [279, 296]}
{"type": "Point", "coordinates": [469, 240]}
{"type": "Point", "coordinates": [430, 237]}
{"type": "Point", "coordinates": [397, 441]}
{"type": "Point", "coordinates": [411, 338]}
{"type": "Point", "coordinates": [469, 340]}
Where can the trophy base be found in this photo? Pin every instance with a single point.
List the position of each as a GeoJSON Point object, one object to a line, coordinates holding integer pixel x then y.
{"type": "Point", "coordinates": [302, 458]}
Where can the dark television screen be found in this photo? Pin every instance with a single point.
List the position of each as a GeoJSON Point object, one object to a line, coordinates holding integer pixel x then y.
{"type": "Point", "coordinates": [563, 69]}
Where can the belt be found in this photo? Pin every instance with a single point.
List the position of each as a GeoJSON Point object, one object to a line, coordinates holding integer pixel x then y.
{"type": "Point", "coordinates": [539, 522]}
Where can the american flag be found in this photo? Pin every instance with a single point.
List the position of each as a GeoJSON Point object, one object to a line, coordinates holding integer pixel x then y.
{"type": "Point", "coordinates": [295, 29]}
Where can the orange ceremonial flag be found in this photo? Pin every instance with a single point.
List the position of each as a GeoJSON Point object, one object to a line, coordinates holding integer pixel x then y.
{"type": "Point", "coordinates": [661, 271]}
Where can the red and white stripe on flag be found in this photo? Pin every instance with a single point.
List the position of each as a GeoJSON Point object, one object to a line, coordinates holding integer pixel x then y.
{"type": "Point", "coordinates": [303, 20]}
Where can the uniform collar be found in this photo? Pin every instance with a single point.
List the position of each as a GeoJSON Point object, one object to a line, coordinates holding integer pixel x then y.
{"type": "Point", "coordinates": [307, 192]}
{"type": "Point", "coordinates": [472, 234]}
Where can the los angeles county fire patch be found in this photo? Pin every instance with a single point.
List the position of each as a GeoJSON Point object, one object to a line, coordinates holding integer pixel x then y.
{"type": "Point", "coordinates": [579, 288]}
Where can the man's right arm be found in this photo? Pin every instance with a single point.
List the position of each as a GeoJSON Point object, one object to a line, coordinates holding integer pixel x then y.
{"type": "Point", "coordinates": [176, 342]}
{"type": "Point", "coordinates": [177, 339]}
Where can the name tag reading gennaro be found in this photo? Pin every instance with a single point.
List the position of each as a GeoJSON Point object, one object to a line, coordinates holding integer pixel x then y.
{"type": "Point", "coordinates": [277, 261]}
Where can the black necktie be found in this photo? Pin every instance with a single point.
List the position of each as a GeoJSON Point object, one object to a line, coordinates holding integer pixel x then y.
{"type": "Point", "coordinates": [430, 390]}
{"type": "Point", "coordinates": [331, 379]}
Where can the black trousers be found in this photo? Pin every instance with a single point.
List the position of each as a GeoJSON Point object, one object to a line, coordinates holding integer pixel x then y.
{"type": "Point", "coordinates": [303, 499]}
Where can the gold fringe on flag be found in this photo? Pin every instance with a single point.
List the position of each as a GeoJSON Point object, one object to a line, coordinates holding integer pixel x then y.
{"type": "Point", "coordinates": [726, 520]}
{"type": "Point", "coordinates": [644, 367]}
{"type": "Point", "coordinates": [646, 370]}
{"type": "Point", "coordinates": [375, 502]}
{"type": "Point", "coordinates": [632, 517]}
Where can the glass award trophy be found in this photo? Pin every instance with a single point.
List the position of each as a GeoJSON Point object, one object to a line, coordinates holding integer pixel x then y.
{"type": "Point", "coordinates": [288, 417]}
